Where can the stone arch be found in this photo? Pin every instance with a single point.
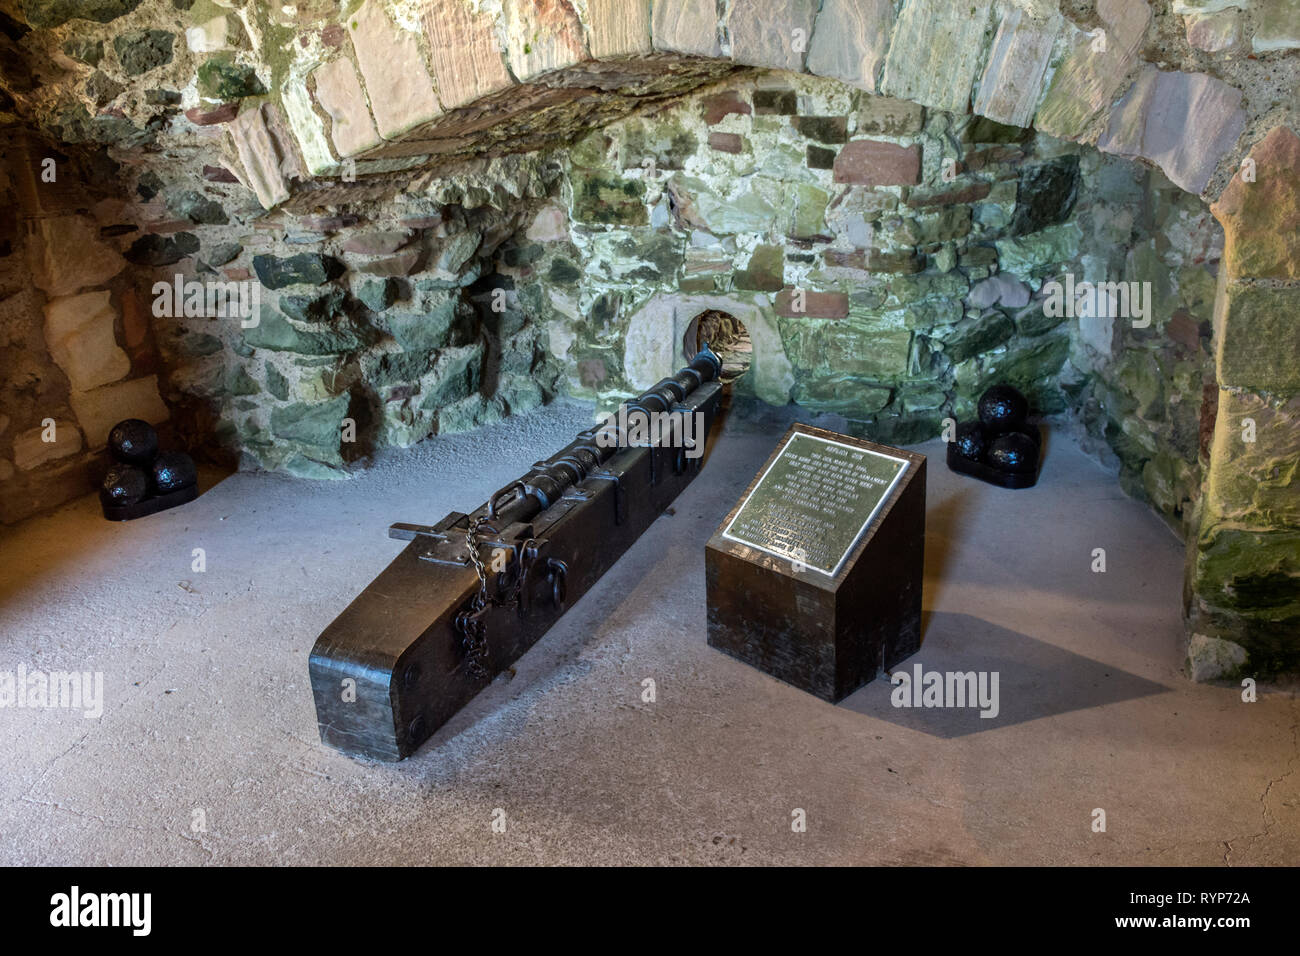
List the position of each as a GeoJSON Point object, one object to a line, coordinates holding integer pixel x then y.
{"type": "Point", "coordinates": [656, 330]}
{"type": "Point", "coordinates": [408, 84]}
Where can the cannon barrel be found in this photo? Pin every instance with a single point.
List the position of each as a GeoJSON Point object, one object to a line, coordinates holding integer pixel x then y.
{"type": "Point", "coordinates": [536, 491]}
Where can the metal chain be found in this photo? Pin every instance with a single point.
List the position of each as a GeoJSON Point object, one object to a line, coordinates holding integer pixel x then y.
{"type": "Point", "coordinates": [472, 543]}
{"type": "Point", "coordinates": [477, 651]}
{"type": "Point", "coordinates": [477, 655]}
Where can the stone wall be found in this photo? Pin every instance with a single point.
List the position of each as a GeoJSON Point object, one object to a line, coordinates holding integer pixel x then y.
{"type": "Point", "coordinates": [76, 352]}
{"type": "Point", "coordinates": [1142, 387]}
{"type": "Point", "coordinates": [883, 255]}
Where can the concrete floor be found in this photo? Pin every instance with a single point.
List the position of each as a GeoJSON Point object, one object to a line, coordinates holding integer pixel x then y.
{"type": "Point", "coordinates": [208, 714]}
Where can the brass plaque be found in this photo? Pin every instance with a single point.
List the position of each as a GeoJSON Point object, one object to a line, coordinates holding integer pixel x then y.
{"type": "Point", "coordinates": [815, 500]}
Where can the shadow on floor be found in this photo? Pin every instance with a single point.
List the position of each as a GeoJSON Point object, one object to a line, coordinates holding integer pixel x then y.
{"type": "Point", "coordinates": [1034, 679]}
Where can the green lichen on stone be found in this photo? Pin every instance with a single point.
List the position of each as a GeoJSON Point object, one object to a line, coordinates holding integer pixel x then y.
{"type": "Point", "coordinates": [600, 197]}
{"type": "Point", "coordinates": [276, 383]}
{"type": "Point", "coordinates": [276, 333]}
{"type": "Point", "coordinates": [319, 424]}
{"type": "Point", "coordinates": [140, 51]}
{"type": "Point", "coordinates": [221, 78]}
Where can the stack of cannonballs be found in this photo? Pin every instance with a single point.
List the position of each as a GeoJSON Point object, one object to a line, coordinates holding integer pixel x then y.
{"type": "Point", "coordinates": [1001, 448]}
{"type": "Point", "coordinates": [143, 480]}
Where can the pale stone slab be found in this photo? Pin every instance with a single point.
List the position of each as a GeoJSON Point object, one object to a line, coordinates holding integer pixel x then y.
{"type": "Point", "coordinates": [339, 92]}
{"type": "Point", "coordinates": [210, 36]}
{"type": "Point", "coordinates": [1206, 6]}
{"type": "Point", "coordinates": [65, 254]}
{"type": "Point", "coordinates": [1088, 81]}
{"type": "Point", "coordinates": [400, 88]}
{"type": "Point", "coordinates": [935, 52]}
{"type": "Point", "coordinates": [307, 126]}
{"type": "Point", "coordinates": [1214, 32]}
{"type": "Point", "coordinates": [771, 33]}
{"type": "Point", "coordinates": [550, 225]}
{"type": "Point", "coordinates": [850, 40]}
{"type": "Point", "coordinates": [31, 450]}
{"type": "Point", "coordinates": [1013, 78]}
{"type": "Point", "coordinates": [618, 28]}
{"type": "Point", "coordinates": [687, 26]}
{"type": "Point", "coordinates": [1277, 26]}
{"type": "Point", "coordinates": [259, 156]}
{"type": "Point", "coordinates": [99, 409]}
{"type": "Point", "coordinates": [79, 333]}
{"type": "Point", "coordinates": [1212, 658]}
{"type": "Point", "coordinates": [1183, 122]}
{"type": "Point", "coordinates": [467, 62]}
{"type": "Point", "coordinates": [542, 37]}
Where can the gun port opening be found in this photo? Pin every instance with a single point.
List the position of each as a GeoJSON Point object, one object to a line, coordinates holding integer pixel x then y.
{"type": "Point", "coordinates": [727, 336]}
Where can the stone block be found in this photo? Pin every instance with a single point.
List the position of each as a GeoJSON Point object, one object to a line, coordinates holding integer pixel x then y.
{"type": "Point", "coordinates": [318, 424]}
{"type": "Point", "coordinates": [1254, 573]}
{"type": "Point", "coordinates": [79, 333]}
{"type": "Point", "coordinates": [259, 156]}
{"type": "Point", "coordinates": [1013, 77]}
{"type": "Point", "coordinates": [886, 116]}
{"type": "Point", "coordinates": [771, 33]}
{"type": "Point", "coordinates": [803, 303]}
{"type": "Point", "coordinates": [1254, 475]}
{"type": "Point", "coordinates": [935, 52]}
{"type": "Point", "coordinates": [31, 450]}
{"type": "Point", "coordinates": [726, 142]}
{"type": "Point", "coordinates": [99, 409]}
{"type": "Point", "coordinates": [65, 254]}
{"type": "Point", "coordinates": [467, 61]}
{"type": "Point", "coordinates": [850, 41]}
{"type": "Point", "coordinates": [1089, 79]}
{"type": "Point", "coordinates": [401, 90]}
{"type": "Point", "coordinates": [699, 206]}
{"type": "Point", "coordinates": [1183, 122]}
{"type": "Point", "coordinates": [686, 26]}
{"type": "Point", "coordinates": [717, 107]}
{"type": "Point", "coordinates": [618, 28]}
{"type": "Point", "coordinates": [339, 93]}
{"type": "Point", "coordinates": [1046, 249]}
{"type": "Point", "coordinates": [542, 37]}
{"type": "Point", "coordinates": [1213, 658]}
{"type": "Point", "coordinates": [1277, 26]}
{"type": "Point", "coordinates": [870, 354]}
{"type": "Point", "coordinates": [1261, 218]}
{"type": "Point", "coordinates": [1257, 337]}
{"type": "Point", "coordinates": [866, 162]}
{"type": "Point", "coordinates": [1215, 32]}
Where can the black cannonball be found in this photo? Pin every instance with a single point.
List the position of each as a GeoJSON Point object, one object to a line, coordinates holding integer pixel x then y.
{"type": "Point", "coordinates": [1003, 407]}
{"type": "Point", "coordinates": [133, 442]}
{"type": "Point", "coordinates": [1014, 453]}
{"type": "Point", "coordinates": [172, 471]}
{"type": "Point", "coordinates": [125, 484]}
{"type": "Point", "coordinates": [972, 440]}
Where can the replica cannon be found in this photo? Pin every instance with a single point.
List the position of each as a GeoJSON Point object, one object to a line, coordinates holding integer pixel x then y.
{"type": "Point", "coordinates": [470, 594]}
